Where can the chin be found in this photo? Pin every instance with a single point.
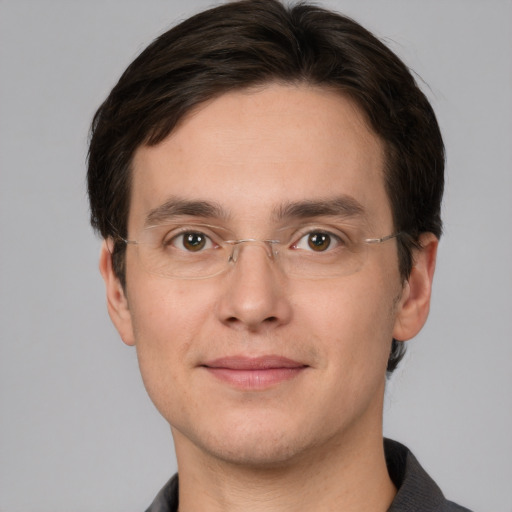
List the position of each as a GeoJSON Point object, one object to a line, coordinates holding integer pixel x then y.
{"type": "Point", "coordinates": [252, 445]}
{"type": "Point", "coordinates": [261, 453]}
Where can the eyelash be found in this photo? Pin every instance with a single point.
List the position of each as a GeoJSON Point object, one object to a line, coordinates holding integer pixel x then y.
{"type": "Point", "coordinates": [333, 239]}
{"type": "Point", "coordinates": [174, 240]}
{"type": "Point", "coordinates": [339, 240]}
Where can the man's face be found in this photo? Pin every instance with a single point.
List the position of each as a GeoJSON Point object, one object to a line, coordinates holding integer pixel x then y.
{"type": "Point", "coordinates": [252, 365]}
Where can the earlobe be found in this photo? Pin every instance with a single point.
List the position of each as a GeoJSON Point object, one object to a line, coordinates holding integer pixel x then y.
{"type": "Point", "coordinates": [117, 303]}
{"type": "Point", "coordinates": [414, 304]}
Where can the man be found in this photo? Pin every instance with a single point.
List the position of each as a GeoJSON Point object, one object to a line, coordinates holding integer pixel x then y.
{"type": "Point", "coordinates": [267, 181]}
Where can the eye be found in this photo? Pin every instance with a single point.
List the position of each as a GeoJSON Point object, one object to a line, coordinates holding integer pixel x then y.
{"type": "Point", "coordinates": [318, 241]}
{"type": "Point", "coordinates": [190, 241]}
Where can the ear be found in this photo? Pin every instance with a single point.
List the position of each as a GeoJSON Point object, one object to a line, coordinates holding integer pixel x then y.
{"type": "Point", "coordinates": [414, 305]}
{"type": "Point", "coordinates": [117, 303]}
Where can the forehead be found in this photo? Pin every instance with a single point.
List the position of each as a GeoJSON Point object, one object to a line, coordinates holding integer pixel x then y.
{"type": "Point", "coordinates": [252, 151]}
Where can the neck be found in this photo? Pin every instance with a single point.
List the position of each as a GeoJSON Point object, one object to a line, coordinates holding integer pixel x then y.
{"type": "Point", "coordinates": [349, 476]}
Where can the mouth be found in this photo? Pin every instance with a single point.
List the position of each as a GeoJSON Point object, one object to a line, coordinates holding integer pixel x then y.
{"type": "Point", "coordinates": [254, 373]}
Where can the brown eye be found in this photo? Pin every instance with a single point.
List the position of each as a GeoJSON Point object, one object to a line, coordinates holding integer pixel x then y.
{"type": "Point", "coordinates": [319, 241]}
{"type": "Point", "coordinates": [190, 241]}
{"type": "Point", "coordinates": [193, 242]}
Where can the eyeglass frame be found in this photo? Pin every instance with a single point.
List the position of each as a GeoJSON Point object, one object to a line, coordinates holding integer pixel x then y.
{"type": "Point", "coordinates": [233, 256]}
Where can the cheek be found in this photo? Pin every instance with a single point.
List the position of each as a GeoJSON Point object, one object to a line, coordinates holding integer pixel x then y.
{"type": "Point", "coordinates": [353, 322]}
{"type": "Point", "coordinates": [166, 311]}
{"type": "Point", "coordinates": [167, 317]}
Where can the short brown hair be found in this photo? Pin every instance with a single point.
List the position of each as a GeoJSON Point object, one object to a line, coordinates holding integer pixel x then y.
{"type": "Point", "coordinates": [253, 42]}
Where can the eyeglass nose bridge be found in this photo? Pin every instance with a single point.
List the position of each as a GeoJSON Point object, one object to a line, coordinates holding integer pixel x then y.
{"type": "Point", "coordinates": [269, 245]}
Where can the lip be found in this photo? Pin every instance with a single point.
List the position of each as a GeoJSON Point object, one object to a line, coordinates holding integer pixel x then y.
{"type": "Point", "coordinates": [254, 373]}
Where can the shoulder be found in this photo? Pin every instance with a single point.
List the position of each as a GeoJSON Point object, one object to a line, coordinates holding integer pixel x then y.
{"type": "Point", "coordinates": [453, 507]}
{"type": "Point", "coordinates": [167, 499]}
{"type": "Point", "coordinates": [416, 490]}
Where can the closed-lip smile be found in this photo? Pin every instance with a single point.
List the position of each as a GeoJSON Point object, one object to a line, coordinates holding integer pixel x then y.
{"type": "Point", "coordinates": [254, 373]}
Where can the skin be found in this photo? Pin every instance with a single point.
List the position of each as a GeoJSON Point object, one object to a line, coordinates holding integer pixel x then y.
{"type": "Point", "coordinates": [313, 441]}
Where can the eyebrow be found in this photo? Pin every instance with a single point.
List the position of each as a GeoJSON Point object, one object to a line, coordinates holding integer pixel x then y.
{"type": "Point", "coordinates": [174, 207]}
{"type": "Point", "coordinates": [340, 206]}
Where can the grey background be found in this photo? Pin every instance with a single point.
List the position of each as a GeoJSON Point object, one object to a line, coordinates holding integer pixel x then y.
{"type": "Point", "coordinates": [77, 431]}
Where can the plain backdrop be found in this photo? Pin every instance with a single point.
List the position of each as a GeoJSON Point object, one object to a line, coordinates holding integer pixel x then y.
{"type": "Point", "coordinates": [77, 431]}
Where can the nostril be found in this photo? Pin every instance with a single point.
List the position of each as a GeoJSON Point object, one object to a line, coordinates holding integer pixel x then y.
{"type": "Point", "coordinates": [233, 320]}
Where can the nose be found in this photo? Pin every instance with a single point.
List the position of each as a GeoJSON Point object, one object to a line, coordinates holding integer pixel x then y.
{"type": "Point", "coordinates": [254, 296]}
